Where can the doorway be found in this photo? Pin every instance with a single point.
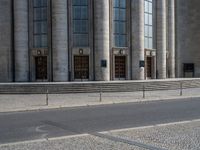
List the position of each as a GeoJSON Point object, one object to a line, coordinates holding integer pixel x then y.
{"type": "Point", "coordinates": [41, 68]}
{"type": "Point", "coordinates": [149, 68]}
{"type": "Point", "coordinates": [81, 67]}
{"type": "Point", "coordinates": [120, 67]}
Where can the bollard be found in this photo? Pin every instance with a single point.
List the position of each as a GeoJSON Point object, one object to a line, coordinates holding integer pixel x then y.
{"type": "Point", "coordinates": [181, 89]}
{"type": "Point", "coordinates": [47, 97]}
{"type": "Point", "coordinates": [143, 91]}
{"type": "Point", "coordinates": [100, 94]}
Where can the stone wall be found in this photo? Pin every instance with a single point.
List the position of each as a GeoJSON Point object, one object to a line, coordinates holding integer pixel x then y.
{"type": "Point", "coordinates": [5, 41]}
{"type": "Point", "coordinates": [188, 35]}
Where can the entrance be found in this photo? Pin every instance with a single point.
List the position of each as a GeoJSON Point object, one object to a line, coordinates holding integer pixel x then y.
{"type": "Point", "coordinates": [149, 67]}
{"type": "Point", "coordinates": [120, 67]}
{"type": "Point", "coordinates": [41, 68]}
{"type": "Point", "coordinates": [81, 67]}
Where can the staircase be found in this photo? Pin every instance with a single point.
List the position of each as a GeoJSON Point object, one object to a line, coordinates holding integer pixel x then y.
{"type": "Point", "coordinates": [95, 87]}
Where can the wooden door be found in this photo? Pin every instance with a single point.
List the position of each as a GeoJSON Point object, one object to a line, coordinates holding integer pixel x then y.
{"type": "Point", "coordinates": [41, 68]}
{"type": "Point", "coordinates": [120, 67]}
{"type": "Point", "coordinates": [81, 67]}
{"type": "Point", "coordinates": [149, 67]}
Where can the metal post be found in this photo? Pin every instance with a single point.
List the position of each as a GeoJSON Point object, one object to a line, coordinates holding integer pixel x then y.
{"type": "Point", "coordinates": [181, 89]}
{"type": "Point", "coordinates": [100, 98]}
{"type": "Point", "coordinates": [47, 97]}
{"type": "Point", "coordinates": [143, 91]}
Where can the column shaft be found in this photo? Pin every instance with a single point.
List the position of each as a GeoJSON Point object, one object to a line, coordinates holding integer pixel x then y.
{"type": "Point", "coordinates": [101, 37]}
{"type": "Point", "coordinates": [137, 38]}
{"type": "Point", "coordinates": [21, 40]}
{"type": "Point", "coordinates": [60, 40]}
{"type": "Point", "coordinates": [171, 38]}
{"type": "Point", "coordinates": [161, 39]}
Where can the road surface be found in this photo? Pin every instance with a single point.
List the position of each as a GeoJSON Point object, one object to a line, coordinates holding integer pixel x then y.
{"type": "Point", "coordinates": [23, 126]}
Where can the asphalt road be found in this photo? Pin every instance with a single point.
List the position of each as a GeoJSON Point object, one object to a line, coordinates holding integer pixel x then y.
{"type": "Point", "coordinates": [23, 126]}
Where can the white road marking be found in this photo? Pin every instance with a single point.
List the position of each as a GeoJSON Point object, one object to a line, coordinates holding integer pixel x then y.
{"type": "Point", "coordinates": [43, 140]}
{"type": "Point", "coordinates": [40, 130]}
{"type": "Point", "coordinates": [151, 126]}
{"type": "Point", "coordinates": [23, 142]}
{"type": "Point", "coordinates": [68, 137]}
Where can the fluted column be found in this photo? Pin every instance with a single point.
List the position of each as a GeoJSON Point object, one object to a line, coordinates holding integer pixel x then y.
{"type": "Point", "coordinates": [137, 12]}
{"type": "Point", "coordinates": [21, 40]}
{"type": "Point", "coordinates": [101, 37]}
{"type": "Point", "coordinates": [171, 37]}
{"type": "Point", "coordinates": [59, 40]}
{"type": "Point", "coordinates": [161, 38]}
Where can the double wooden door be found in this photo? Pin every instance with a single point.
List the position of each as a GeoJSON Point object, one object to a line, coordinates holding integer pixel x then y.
{"type": "Point", "coordinates": [120, 67]}
{"type": "Point", "coordinates": [81, 67]}
{"type": "Point", "coordinates": [41, 68]}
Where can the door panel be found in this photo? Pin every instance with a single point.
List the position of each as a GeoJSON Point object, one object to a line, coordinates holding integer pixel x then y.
{"type": "Point", "coordinates": [120, 67]}
{"type": "Point", "coordinates": [81, 67]}
{"type": "Point", "coordinates": [41, 68]}
{"type": "Point", "coordinates": [149, 67]}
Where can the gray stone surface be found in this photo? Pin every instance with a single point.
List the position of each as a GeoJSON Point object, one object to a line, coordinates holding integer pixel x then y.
{"type": "Point", "coordinates": [101, 39]}
{"type": "Point", "coordinates": [171, 38]}
{"type": "Point", "coordinates": [188, 35]}
{"type": "Point", "coordinates": [161, 38]}
{"type": "Point", "coordinates": [5, 41]}
{"type": "Point", "coordinates": [181, 32]}
{"type": "Point", "coordinates": [183, 136]}
{"type": "Point", "coordinates": [60, 40]}
{"type": "Point", "coordinates": [137, 39]}
{"type": "Point", "coordinates": [21, 40]}
{"type": "Point", "coordinates": [80, 143]}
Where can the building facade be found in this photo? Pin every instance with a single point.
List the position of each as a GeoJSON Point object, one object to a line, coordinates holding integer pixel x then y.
{"type": "Point", "coordinates": [188, 39]}
{"type": "Point", "coordinates": [98, 40]}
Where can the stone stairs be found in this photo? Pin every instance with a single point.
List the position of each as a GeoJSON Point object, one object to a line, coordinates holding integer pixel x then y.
{"type": "Point", "coordinates": [96, 87]}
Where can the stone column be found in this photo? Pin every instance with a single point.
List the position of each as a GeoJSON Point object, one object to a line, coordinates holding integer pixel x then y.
{"type": "Point", "coordinates": [101, 37]}
{"type": "Point", "coordinates": [137, 13]}
{"type": "Point", "coordinates": [161, 39]}
{"type": "Point", "coordinates": [21, 40]}
{"type": "Point", "coordinates": [171, 37]}
{"type": "Point", "coordinates": [60, 40]}
{"type": "Point", "coordinates": [6, 63]}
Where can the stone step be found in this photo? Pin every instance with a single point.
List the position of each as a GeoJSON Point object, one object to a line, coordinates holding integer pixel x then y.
{"type": "Point", "coordinates": [93, 87]}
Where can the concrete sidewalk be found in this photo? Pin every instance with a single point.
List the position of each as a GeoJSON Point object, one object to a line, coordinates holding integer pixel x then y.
{"type": "Point", "coordinates": [18, 102]}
